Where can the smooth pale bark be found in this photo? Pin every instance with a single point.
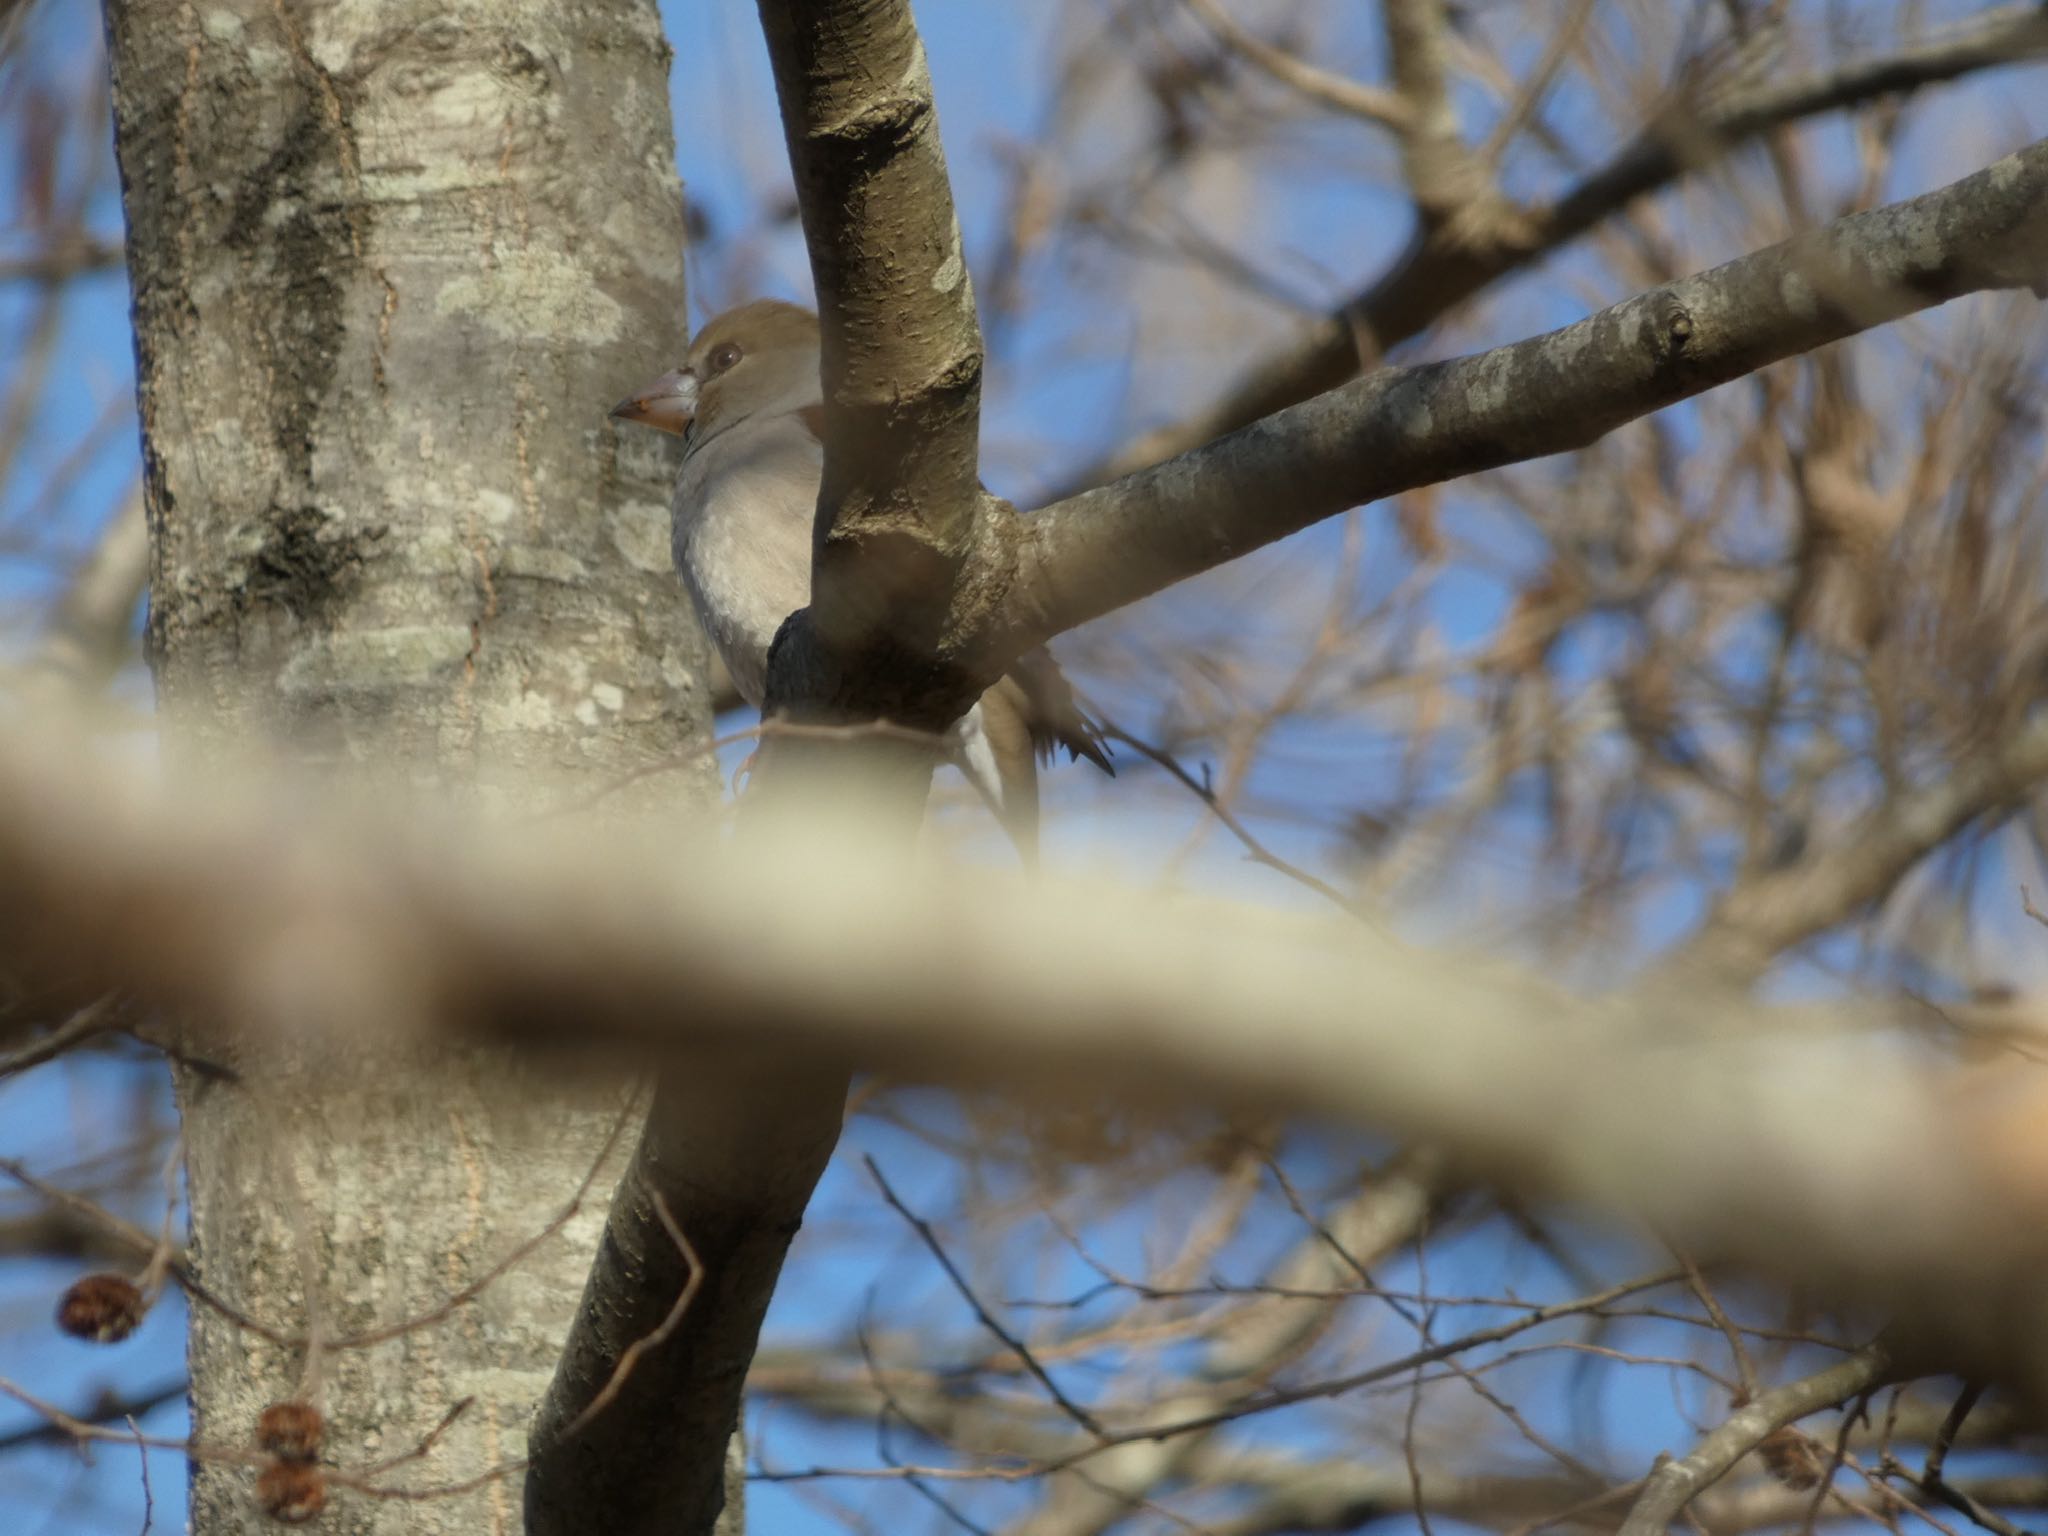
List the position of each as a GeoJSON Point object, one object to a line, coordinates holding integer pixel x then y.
{"type": "Point", "coordinates": [902, 345]}
{"type": "Point", "coordinates": [900, 506]}
{"type": "Point", "coordinates": [389, 264]}
{"type": "Point", "coordinates": [1917, 1193]}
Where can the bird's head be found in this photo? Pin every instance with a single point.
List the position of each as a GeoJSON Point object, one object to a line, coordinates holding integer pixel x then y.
{"type": "Point", "coordinates": [758, 360]}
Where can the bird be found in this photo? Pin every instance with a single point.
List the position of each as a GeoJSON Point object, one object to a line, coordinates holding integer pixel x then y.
{"type": "Point", "coordinates": [748, 402]}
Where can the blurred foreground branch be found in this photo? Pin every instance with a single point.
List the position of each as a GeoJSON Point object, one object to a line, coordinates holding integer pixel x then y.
{"type": "Point", "coordinates": [1806, 1141]}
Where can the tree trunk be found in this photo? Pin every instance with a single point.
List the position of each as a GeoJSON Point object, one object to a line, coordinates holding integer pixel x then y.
{"type": "Point", "coordinates": [391, 264]}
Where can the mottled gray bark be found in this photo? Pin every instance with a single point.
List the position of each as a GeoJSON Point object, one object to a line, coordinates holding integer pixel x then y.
{"type": "Point", "coordinates": [389, 264]}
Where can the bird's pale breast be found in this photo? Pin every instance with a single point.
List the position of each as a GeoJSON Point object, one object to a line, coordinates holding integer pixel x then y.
{"type": "Point", "coordinates": [742, 537]}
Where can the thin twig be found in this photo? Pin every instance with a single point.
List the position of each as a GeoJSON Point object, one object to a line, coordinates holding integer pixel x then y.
{"type": "Point", "coordinates": [426, 1441]}
{"type": "Point", "coordinates": [125, 1408]}
{"type": "Point", "coordinates": [1536, 85]}
{"type": "Point", "coordinates": [2027, 906]}
{"type": "Point", "coordinates": [1284, 1397]}
{"type": "Point", "coordinates": [146, 1243]}
{"type": "Point", "coordinates": [879, 1379]}
{"type": "Point", "coordinates": [1010, 1341]}
{"type": "Point", "coordinates": [142, 1455]}
{"type": "Point", "coordinates": [1951, 1426]}
{"type": "Point", "coordinates": [84, 1429]}
{"type": "Point", "coordinates": [95, 1018]}
{"type": "Point", "coordinates": [660, 1335]}
{"type": "Point", "coordinates": [1840, 1454]}
{"type": "Point", "coordinates": [1258, 851]}
{"type": "Point", "coordinates": [1369, 103]}
{"type": "Point", "coordinates": [151, 1280]}
{"type": "Point", "coordinates": [1931, 1480]}
{"type": "Point", "coordinates": [1745, 1368]}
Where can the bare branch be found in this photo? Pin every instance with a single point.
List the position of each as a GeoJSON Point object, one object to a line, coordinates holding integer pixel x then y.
{"type": "Point", "coordinates": [1337, 92]}
{"type": "Point", "coordinates": [1674, 1485]}
{"type": "Point", "coordinates": [658, 1382]}
{"type": "Point", "coordinates": [733, 1153]}
{"type": "Point", "coordinates": [663, 1330]}
{"type": "Point", "coordinates": [62, 259]}
{"type": "Point", "coordinates": [89, 634]}
{"type": "Point", "coordinates": [903, 355]}
{"type": "Point", "coordinates": [1764, 915]}
{"type": "Point", "coordinates": [1444, 177]}
{"type": "Point", "coordinates": [1254, 849]}
{"type": "Point", "coordinates": [95, 1018]}
{"type": "Point", "coordinates": [52, 1430]}
{"type": "Point", "coordinates": [1015, 1345]}
{"type": "Point", "coordinates": [1529, 98]}
{"type": "Point", "coordinates": [1431, 277]}
{"type": "Point", "coordinates": [1404, 427]}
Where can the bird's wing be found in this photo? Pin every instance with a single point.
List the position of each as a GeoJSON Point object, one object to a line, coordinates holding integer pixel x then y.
{"type": "Point", "coordinates": [1045, 702]}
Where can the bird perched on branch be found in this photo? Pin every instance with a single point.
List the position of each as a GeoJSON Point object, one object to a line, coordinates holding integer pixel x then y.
{"type": "Point", "coordinates": [749, 406]}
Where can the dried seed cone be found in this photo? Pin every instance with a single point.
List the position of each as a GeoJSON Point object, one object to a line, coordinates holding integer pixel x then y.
{"type": "Point", "coordinates": [291, 1492]}
{"type": "Point", "coordinates": [104, 1308]}
{"type": "Point", "coordinates": [291, 1431]}
{"type": "Point", "coordinates": [1790, 1457]}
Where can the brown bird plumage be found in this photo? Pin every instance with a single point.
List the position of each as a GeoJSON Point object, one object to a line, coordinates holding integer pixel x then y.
{"type": "Point", "coordinates": [748, 402]}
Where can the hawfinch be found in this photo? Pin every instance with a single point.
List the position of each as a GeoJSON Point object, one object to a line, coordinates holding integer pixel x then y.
{"type": "Point", "coordinates": [749, 407]}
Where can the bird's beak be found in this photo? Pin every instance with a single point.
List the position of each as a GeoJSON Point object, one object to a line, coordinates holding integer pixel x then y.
{"type": "Point", "coordinates": [669, 404]}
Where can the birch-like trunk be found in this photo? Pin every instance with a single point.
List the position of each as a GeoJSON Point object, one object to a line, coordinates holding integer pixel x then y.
{"type": "Point", "coordinates": [391, 263]}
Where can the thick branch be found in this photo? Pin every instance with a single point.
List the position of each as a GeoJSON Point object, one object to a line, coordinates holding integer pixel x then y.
{"type": "Point", "coordinates": [903, 354]}
{"type": "Point", "coordinates": [1433, 276]}
{"type": "Point", "coordinates": [1403, 427]}
{"type": "Point", "coordinates": [734, 1150]}
{"type": "Point", "coordinates": [736, 1155]}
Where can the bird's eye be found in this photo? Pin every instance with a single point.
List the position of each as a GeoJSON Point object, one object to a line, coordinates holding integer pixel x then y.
{"type": "Point", "coordinates": [725, 357]}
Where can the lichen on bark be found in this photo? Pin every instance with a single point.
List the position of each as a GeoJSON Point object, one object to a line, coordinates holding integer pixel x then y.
{"type": "Point", "coordinates": [389, 264]}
